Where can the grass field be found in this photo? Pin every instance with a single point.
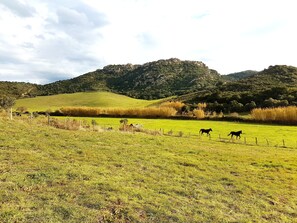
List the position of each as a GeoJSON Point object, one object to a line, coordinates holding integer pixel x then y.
{"type": "Point", "coordinates": [52, 175]}
{"type": "Point", "coordinates": [89, 99]}
{"type": "Point", "coordinates": [274, 135]}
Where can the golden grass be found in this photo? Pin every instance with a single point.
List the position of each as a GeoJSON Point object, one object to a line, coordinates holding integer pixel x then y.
{"type": "Point", "coordinates": [133, 112]}
{"type": "Point", "coordinates": [177, 105]}
{"type": "Point", "coordinates": [284, 114]}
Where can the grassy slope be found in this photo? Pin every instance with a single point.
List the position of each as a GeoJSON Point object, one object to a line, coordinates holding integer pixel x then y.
{"type": "Point", "coordinates": [50, 175]}
{"type": "Point", "coordinates": [90, 99]}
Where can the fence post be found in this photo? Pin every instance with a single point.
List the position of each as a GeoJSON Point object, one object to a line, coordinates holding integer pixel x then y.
{"type": "Point", "coordinates": [256, 140]}
{"type": "Point", "coordinates": [220, 137]}
{"type": "Point", "coordinates": [284, 145]}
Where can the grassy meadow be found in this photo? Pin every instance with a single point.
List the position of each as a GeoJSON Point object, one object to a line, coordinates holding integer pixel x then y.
{"type": "Point", "coordinates": [54, 175]}
{"type": "Point", "coordinates": [88, 99]}
{"type": "Point", "coordinates": [274, 135]}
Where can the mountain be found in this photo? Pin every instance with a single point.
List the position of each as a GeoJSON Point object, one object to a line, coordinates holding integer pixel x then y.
{"type": "Point", "coordinates": [151, 80]}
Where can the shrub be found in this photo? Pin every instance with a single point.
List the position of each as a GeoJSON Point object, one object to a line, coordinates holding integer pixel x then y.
{"type": "Point", "coordinates": [199, 113]}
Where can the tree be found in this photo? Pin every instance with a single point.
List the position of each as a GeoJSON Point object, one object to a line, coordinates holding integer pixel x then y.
{"type": "Point", "coordinates": [250, 106]}
{"type": "Point", "coordinates": [6, 103]}
{"type": "Point", "coordinates": [235, 106]}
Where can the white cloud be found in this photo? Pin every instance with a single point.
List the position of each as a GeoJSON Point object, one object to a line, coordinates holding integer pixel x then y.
{"type": "Point", "coordinates": [18, 8]}
{"type": "Point", "coordinates": [43, 41]}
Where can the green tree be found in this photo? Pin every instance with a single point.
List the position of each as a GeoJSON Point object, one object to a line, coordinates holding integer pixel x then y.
{"type": "Point", "coordinates": [250, 106]}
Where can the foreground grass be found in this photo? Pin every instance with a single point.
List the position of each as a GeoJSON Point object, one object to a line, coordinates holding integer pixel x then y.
{"type": "Point", "coordinates": [50, 175]}
{"type": "Point", "coordinates": [88, 99]}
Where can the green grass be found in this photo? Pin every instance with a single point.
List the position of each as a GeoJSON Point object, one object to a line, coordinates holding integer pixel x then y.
{"type": "Point", "coordinates": [51, 175]}
{"type": "Point", "coordinates": [89, 99]}
{"type": "Point", "coordinates": [271, 134]}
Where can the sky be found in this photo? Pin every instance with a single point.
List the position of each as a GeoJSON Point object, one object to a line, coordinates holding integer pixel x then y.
{"type": "Point", "coordinates": [42, 41]}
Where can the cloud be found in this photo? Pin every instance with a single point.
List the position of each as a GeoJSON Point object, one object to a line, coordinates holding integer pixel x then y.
{"type": "Point", "coordinates": [18, 8]}
{"type": "Point", "coordinates": [53, 39]}
{"type": "Point", "coordinates": [54, 44]}
{"type": "Point", "coordinates": [79, 24]}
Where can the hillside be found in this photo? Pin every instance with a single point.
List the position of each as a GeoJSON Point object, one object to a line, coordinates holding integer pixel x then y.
{"type": "Point", "coordinates": [239, 75]}
{"type": "Point", "coordinates": [18, 89]}
{"type": "Point", "coordinates": [88, 99]}
{"type": "Point", "coordinates": [273, 76]}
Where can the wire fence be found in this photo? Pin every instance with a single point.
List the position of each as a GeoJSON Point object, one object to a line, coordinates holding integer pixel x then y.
{"type": "Point", "coordinates": [243, 140]}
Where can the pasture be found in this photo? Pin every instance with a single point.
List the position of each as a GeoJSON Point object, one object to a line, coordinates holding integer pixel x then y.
{"type": "Point", "coordinates": [54, 175]}
{"type": "Point", "coordinates": [88, 99]}
{"type": "Point", "coordinates": [273, 134]}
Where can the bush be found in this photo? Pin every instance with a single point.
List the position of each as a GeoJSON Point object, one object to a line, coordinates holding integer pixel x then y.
{"type": "Point", "coordinates": [199, 113]}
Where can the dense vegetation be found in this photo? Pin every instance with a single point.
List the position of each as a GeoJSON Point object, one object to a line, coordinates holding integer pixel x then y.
{"type": "Point", "coordinates": [17, 89]}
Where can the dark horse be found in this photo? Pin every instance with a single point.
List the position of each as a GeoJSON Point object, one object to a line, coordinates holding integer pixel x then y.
{"type": "Point", "coordinates": [237, 134]}
{"type": "Point", "coordinates": [207, 131]}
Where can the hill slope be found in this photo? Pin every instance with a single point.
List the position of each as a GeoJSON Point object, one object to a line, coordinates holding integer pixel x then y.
{"type": "Point", "coordinates": [88, 99]}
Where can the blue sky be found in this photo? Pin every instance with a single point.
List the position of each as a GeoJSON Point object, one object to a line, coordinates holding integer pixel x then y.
{"type": "Point", "coordinates": [42, 41]}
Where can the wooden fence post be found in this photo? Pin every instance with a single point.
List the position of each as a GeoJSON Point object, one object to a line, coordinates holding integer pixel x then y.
{"type": "Point", "coordinates": [284, 145]}
{"type": "Point", "coordinates": [256, 140]}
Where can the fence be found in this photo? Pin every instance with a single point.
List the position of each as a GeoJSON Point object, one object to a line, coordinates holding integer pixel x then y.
{"type": "Point", "coordinates": [251, 141]}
